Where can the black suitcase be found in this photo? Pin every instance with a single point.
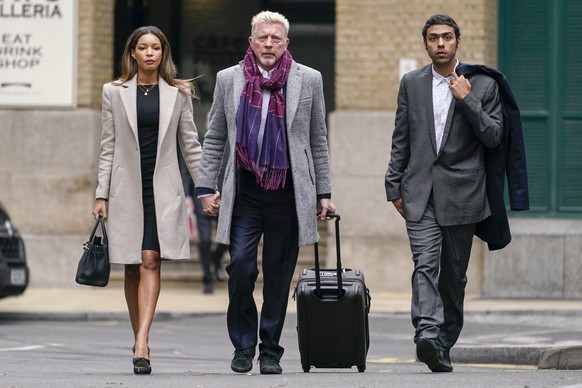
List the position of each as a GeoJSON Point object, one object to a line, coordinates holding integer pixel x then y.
{"type": "Point", "coordinates": [332, 315]}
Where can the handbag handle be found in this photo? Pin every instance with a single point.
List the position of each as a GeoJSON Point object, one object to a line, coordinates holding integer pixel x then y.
{"type": "Point", "coordinates": [103, 231]}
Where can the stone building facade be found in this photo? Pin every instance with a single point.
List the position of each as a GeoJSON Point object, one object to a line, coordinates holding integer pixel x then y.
{"type": "Point", "coordinates": [48, 158]}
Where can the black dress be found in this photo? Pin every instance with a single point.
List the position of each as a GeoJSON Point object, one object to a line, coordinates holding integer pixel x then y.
{"type": "Point", "coordinates": [148, 117]}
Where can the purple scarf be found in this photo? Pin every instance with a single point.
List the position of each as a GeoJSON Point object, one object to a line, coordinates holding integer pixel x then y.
{"type": "Point", "coordinates": [269, 164]}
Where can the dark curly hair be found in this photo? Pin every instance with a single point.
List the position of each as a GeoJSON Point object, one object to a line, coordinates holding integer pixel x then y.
{"type": "Point", "coordinates": [441, 19]}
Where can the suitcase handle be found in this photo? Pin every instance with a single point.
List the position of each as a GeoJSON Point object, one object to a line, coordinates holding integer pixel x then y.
{"type": "Point", "coordinates": [338, 264]}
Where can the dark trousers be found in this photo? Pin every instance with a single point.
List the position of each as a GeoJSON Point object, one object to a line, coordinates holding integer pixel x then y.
{"type": "Point", "coordinates": [271, 215]}
{"type": "Point", "coordinates": [441, 257]}
{"type": "Point", "coordinates": [204, 225]}
{"type": "Point", "coordinates": [208, 255]}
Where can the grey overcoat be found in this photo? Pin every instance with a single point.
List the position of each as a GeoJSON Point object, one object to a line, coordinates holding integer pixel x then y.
{"type": "Point", "coordinates": [120, 172]}
{"type": "Point", "coordinates": [307, 144]}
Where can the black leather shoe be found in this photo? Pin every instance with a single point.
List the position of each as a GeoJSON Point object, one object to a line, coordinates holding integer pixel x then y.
{"type": "Point", "coordinates": [141, 366]}
{"type": "Point", "coordinates": [446, 360]}
{"type": "Point", "coordinates": [427, 352]}
{"type": "Point", "coordinates": [242, 362]}
{"type": "Point", "coordinates": [269, 365]}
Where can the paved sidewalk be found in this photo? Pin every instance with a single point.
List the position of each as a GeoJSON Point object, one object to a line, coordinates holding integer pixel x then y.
{"type": "Point", "coordinates": [551, 336]}
{"type": "Point", "coordinates": [182, 299]}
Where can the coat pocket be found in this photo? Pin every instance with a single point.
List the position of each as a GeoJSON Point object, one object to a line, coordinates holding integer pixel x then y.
{"type": "Point", "coordinates": [309, 167]}
{"type": "Point", "coordinates": [116, 180]}
{"type": "Point", "coordinates": [467, 190]}
{"type": "Point", "coordinates": [173, 181]}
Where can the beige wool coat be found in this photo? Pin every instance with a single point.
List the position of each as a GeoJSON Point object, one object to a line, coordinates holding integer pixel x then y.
{"type": "Point", "coordinates": [119, 179]}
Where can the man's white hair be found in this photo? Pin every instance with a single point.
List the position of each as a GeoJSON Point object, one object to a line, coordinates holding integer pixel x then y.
{"type": "Point", "coordinates": [269, 17]}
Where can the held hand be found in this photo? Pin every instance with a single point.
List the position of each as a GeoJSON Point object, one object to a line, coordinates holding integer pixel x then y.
{"type": "Point", "coordinates": [325, 206]}
{"type": "Point", "coordinates": [100, 206]}
{"type": "Point", "coordinates": [216, 199]}
{"type": "Point", "coordinates": [211, 204]}
{"type": "Point", "coordinates": [398, 205]}
{"type": "Point", "coordinates": [460, 86]}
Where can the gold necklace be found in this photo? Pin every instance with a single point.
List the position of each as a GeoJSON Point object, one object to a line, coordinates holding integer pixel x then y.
{"type": "Point", "coordinates": [146, 90]}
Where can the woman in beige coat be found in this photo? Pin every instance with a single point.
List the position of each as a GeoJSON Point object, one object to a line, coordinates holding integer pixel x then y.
{"type": "Point", "coordinates": [140, 192]}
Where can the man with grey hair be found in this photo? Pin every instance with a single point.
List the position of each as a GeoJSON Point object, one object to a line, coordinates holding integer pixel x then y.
{"type": "Point", "coordinates": [270, 112]}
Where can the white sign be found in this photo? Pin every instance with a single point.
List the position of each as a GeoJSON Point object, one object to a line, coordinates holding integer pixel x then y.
{"type": "Point", "coordinates": [38, 53]}
{"type": "Point", "coordinates": [405, 65]}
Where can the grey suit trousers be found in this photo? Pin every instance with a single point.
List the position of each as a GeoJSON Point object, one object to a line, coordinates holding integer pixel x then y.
{"type": "Point", "coordinates": [441, 257]}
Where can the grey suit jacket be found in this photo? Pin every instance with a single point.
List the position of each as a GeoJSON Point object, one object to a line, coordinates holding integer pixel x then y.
{"type": "Point", "coordinates": [307, 145]}
{"type": "Point", "coordinates": [120, 171]}
{"type": "Point", "coordinates": [456, 174]}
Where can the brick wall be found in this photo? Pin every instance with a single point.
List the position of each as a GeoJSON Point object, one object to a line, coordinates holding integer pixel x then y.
{"type": "Point", "coordinates": [95, 50]}
{"type": "Point", "coordinates": [372, 35]}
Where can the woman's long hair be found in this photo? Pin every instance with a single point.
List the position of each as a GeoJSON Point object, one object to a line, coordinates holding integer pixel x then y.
{"type": "Point", "coordinates": [167, 69]}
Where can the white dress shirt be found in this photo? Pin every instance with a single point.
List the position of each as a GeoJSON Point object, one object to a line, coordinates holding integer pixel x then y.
{"type": "Point", "coordinates": [441, 101]}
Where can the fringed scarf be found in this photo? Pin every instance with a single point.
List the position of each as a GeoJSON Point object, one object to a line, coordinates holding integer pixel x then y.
{"type": "Point", "coordinates": [268, 163]}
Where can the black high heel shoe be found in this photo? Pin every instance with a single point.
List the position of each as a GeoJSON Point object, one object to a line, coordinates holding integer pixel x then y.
{"type": "Point", "coordinates": [141, 365]}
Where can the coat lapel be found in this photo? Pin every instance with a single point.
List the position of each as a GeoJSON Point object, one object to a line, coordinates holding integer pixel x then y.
{"type": "Point", "coordinates": [427, 91]}
{"type": "Point", "coordinates": [292, 93]}
{"type": "Point", "coordinates": [129, 101]}
{"type": "Point", "coordinates": [168, 96]}
{"type": "Point", "coordinates": [447, 129]}
{"type": "Point", "coordinates": [239, 83]}
{"type": "Point", "coordinates": [449, 117]}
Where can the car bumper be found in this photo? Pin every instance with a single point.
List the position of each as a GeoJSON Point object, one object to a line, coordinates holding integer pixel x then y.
{"type": "Point", "coordinates": [14, 274]}
{"type": "Point", "coordinates": [13, 279]}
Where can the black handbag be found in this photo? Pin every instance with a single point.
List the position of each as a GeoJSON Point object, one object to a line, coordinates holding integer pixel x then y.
{"type": "Point", "coordinates": [94, 267]}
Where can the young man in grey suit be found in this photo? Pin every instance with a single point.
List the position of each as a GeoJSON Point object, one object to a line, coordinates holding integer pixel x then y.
{"type": "Point", "coordinates": [270, 111]}
{"type": "Point", "coordinates": [436, 181]}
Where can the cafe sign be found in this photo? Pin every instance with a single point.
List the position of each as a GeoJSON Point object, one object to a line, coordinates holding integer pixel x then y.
{"type": "Point", "coordinates": [38, 53]}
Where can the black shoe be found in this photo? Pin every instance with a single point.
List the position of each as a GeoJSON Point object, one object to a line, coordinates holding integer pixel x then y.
{"type": "Point", "coordinates": [446, 360]}
{"type": "Point", "coordinates": [427, 352]}
{"type": "Point", "coordinates": [242, 362]}
{"type": "Point", "coordinates": [208, 288]}
{"type": "Point", "coordinates": [141, 366]}
{"type": "Point", "coordinates": [269, 365]}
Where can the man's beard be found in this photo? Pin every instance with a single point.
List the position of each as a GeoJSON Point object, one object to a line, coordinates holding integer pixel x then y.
{"type": "Point", "coordinates": [267, 62]}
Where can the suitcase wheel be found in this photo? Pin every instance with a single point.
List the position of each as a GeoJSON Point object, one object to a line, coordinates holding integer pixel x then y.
{"type": "Point", "coordinates": [361, 368]}
{"type": "Point", "coordinates": [305, 368]}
